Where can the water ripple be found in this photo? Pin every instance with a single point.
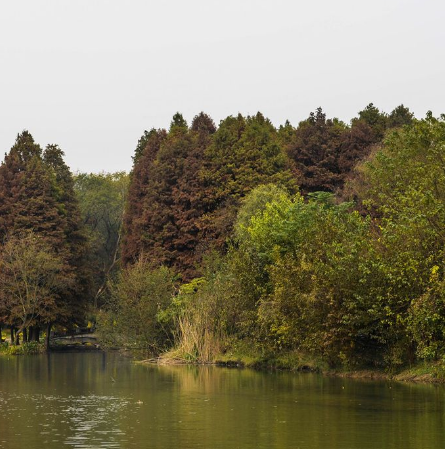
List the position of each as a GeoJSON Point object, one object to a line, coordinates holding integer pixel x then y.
{"type": "Point", "coordinates": [87, 421]}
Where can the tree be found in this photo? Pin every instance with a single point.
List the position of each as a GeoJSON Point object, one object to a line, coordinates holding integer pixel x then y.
{"type": "Point", "coordinates": [377, 120]}
{"type": "Point", "coordinates": [139, 295]}
{"type": "Point", "coordinates": [102, 199]}
{"type": "Point", "coordinates": [255, 203]}
{"type": "Point", "coordinates": [32, 280]}
{"type": "Point", "coordinates": [139, 180]}
{"type": "Point", "coordinates": [36, 194]}
{"type": "Point", "coordinates": [12, 176]}
{"type": "Point", "coordinates": [400, 116]}
{"type": "Point", "coordinates": [355, 145]}
{"type": "Point", "coordinates": [165, 200]}
{"type": "Point", "coordinates": [159, 230]}
{"type": "Point", "coordinates": [315, 288]}
{"type": "Point", "coordinates": [315, 150]}
{"type": "Point", "coordinates": [404, 183]}
{"type": "Point", "coordinates": [74, 239]}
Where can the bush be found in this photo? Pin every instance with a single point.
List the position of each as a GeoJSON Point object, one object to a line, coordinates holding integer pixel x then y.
{"type": "Point", "coordinates": [138, 298]}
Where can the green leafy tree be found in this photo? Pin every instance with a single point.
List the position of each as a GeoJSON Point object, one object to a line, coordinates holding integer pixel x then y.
{"type": "Point", "coordinates": [102, 198]}
{"type": "Point", "coordinates": [33, 278]}
{"type": "Point", "coordinates": [316, 285]}
{"type": "Point", "coordinates": [138, 297]}
{"type": "Point", "coordinates": [405, 184]}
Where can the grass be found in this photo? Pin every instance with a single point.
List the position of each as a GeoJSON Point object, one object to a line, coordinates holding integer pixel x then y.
{"type": "Point", "coordinates": [433, 372]}
{"type": "Point", "coordinates": [246, 354]}
{"type": "Point", "coordinates": [24, 349]}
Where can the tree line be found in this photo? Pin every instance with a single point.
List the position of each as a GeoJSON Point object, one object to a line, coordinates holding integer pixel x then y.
{"type": "Point", "coordinates": [323, 240]}
{"type": "Point", "coordinates": [187, 184]}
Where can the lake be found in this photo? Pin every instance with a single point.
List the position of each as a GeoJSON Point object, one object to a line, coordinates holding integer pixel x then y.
{"type": "Point", "coordinates": [103, 400]}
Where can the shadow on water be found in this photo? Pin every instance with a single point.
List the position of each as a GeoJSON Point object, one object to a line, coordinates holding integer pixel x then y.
{"type": "Point", "coordinates": [92, 400]}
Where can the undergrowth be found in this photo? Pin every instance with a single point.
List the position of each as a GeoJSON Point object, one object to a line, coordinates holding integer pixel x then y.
{"type": "Point", "coordinates": [29, 348]}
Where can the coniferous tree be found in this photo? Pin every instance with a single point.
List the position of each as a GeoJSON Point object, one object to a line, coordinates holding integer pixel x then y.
{"type": "Point", "coordinates": [36, 206]}
{"type": "Point", "coordinates": [189, 202]}
{"type": "Point", "coordinates": [355, 144]}
{"type": "Point", "coordinates": [400, 116]}
{"type": "Point", "coordinates": [376, 119]}
{"type": "Point", "coordinates": [139, 180]}
{"type": "Point", "coordinates": [160, 229]}
{"type": "Point", "coordinates": [165, 200]}
{"type": "Point", "coordinates": [315, 149]}
{"type": "Point", "coordinates": [12, 174]}
{"type": "Point", "coordinates": [37, 196]}
{"type": "Point", "coordinates": [75, 241]}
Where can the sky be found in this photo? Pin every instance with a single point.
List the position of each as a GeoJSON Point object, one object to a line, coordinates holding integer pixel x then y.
{"type": "Point", "coordinates": [92, 75]}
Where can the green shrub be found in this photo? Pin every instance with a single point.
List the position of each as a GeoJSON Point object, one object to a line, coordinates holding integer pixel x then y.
{"type": "Point", "coordinates": [137, 300]}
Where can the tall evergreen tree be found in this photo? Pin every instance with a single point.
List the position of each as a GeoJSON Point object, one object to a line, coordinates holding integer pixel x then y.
{"type": "Point", "coordinates": [140, 178]}
{"type": "Point", "coordinates": [189, 202]}
{"type": "Point", "coordinates": [74, 235]}
{"type": "Point", "coordinates": [400, 116]}
{"type": "Point", "coordinates": [37, 196]}
{"type": "Point", "coordinates": [160, 229]}
{"type": "Point", "coordinates": [376, 119]}
{"type": "Point", "coordinates": [12, 174]}
{"type": "Point", "coordinates": [165, 200]}
{"type": "Point", "coordinates": [315, 149]}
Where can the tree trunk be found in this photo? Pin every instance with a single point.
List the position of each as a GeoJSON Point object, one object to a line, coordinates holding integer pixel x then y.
{"type": "Point", "coordinates": [17, 338]}
{"type": "Point", "coordinates": [48, 333]}
{"type": "Point", "coordinates": [12, 335]}
{"type": "Point", "coordinates": [25, 335]}
{"type": "Point", "coordinates": [34, 334]}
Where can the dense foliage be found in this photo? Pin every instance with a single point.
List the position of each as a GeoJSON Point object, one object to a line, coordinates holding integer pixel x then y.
{"type": "Point", "coordinates": [354, 282]}
{"type": "Point", "coordinates": [138, 297]}
{"type": "Point", "coordinates": [324, 240]}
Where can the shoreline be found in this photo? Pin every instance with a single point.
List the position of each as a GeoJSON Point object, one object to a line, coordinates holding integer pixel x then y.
{"type": "Point", "coordinates": [425, 373]}
{"type": "Point", "coordinates": [420, 373]}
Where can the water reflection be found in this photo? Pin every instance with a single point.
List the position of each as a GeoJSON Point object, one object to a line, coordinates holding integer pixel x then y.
{"type": "Point", "coordinates": [97, 400]}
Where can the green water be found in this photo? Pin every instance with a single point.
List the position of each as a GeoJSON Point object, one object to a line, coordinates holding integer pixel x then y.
{"type": "Point", "coordinates": [95, 400]}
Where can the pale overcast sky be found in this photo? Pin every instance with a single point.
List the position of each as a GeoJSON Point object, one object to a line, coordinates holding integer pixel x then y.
{"type": "Point", "coordinates": [91, 75]}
